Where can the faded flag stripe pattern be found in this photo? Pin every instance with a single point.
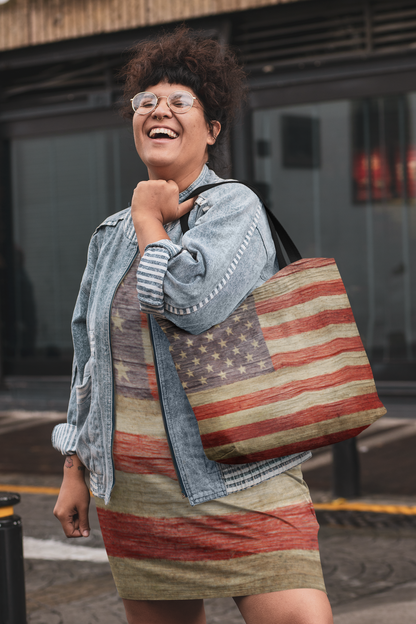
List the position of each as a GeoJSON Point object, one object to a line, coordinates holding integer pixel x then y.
{"type": "Point", "coordinates": [288, 365]}
{"type": "Point", "coordinates": [257, 540]}
{"type": "Point", "coordinates": [211, 537]}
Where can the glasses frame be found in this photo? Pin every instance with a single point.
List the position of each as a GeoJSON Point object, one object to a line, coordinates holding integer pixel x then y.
{"type": "Point", "coordinates": [158, 98]}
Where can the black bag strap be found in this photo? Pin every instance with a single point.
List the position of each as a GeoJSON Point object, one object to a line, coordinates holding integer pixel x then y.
{"type": "Point", "coordinates": [276, 228]}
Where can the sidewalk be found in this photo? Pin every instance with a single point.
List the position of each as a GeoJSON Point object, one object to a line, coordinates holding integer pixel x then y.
{"type": "Point", "coordinates": [370, 572]}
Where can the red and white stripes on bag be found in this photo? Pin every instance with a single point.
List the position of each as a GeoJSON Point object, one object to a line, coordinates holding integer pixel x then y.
{"type": "Point", "coordinates": [285, 373]}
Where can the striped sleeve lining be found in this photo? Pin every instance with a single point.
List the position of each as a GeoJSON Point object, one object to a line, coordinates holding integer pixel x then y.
{"type": "Point", "coordinates": [151, 273]}
{"type": "Point", "coordinates": [64, 438]}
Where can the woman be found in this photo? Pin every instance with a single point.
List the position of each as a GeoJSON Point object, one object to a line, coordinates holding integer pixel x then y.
{"type": "Point", "coordinates": [178, 527]}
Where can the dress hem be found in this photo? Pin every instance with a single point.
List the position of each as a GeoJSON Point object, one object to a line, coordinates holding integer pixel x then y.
{"type": "Point", "coordinates": [242, 591]}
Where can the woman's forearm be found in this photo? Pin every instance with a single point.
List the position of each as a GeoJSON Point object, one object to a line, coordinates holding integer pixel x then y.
{"type": "Point", "coordinates": [148, 230]}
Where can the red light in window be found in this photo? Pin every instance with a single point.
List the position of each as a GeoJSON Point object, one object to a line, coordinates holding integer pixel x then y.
{"type": "Point", "coordinates": [380, 176]}
{"type": "Point", "coordinates": [410, 170]}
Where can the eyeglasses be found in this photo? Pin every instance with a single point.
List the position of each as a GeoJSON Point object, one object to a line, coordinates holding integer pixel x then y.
{"type": "Point", "coordinates": [179, 102]}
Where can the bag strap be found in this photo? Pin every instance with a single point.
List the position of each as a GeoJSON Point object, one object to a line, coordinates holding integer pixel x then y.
{"type": "Point", "coordinates": [276, 228]}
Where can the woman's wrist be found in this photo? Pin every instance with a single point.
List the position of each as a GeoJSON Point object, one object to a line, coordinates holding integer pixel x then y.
{"type": "Point", "coordinates": [148, 232]}
{"type": "Point", "coordinates": [73, 467]}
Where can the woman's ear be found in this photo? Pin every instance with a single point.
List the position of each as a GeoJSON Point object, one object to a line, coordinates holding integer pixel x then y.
{"type": "Point", "coordinates": [214, 130]}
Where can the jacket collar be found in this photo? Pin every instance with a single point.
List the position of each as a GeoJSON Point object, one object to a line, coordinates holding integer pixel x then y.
{"type": "Point", "coordinates": [198, 182]}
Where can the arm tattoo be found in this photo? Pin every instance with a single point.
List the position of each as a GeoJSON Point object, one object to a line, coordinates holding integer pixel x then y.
{"type": "Point", "coordinates": [81, 468]}
{"type": "Point", "coordinates": [68, 462]}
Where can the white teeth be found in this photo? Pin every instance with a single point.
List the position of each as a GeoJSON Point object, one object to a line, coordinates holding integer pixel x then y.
{"type": "Point", "coordinates": [167, 131]}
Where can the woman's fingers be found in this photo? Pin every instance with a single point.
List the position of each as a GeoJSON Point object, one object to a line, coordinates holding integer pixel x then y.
{"type": "Point", "coordinates": [83, 523]}
{"type": "Point", "coordinates": [75, 522]}
{"type": "Point", "coordinates": [156, 199]}
{"type": "Point", "coordinates": [72, 527]}
{"type": "Point", "coordinates": [186, 206]}
{"type": "Point", "coordinates": [69, 521]}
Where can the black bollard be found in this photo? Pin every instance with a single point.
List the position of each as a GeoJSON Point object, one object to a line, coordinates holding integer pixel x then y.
{"type": "Point", "coordinates": [12, 578]}
{"type": "Point", "coordinates": [345, 470]}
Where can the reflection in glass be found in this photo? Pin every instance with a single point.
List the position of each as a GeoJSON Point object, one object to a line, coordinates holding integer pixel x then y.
{"type": "Point", "coordinates": [347, 189]}
{"type": "Point", "coordinates": [300, 142]}
{"type": "Point", "coordinates": [26, 320]}
{"type": "Point", "coordinates": [63, 187]}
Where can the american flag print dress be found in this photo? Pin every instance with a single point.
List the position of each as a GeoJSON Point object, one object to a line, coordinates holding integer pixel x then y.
{"type": "Point", "coordinates": [254, 541]}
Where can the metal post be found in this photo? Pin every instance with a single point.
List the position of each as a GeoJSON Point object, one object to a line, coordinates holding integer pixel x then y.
{"type": "Point", "coordinates": [12, 579]}
{"type": "Point", "coordinates": [345, 470]}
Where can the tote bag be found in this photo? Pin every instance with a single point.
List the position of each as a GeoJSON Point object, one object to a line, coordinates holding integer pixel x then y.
{"type": "Point", "coordinates": [286, 371]}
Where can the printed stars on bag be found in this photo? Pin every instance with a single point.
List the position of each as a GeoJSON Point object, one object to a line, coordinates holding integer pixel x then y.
{"type": "Point", "coordinates": [230, 352]}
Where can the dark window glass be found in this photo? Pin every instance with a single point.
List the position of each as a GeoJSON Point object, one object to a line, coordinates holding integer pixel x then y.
{"type": "Point", "coordinates": [337, 210]}
{"type": "Point", "coordinates": [63, 187]}
{"type": "Point", "coordinates": [300, 142]}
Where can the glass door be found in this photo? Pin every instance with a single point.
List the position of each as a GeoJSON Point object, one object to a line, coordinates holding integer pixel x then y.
{"type": "Point", "coordinates": [63, 187]}
{"type": "Point", "coordinates": [341, 176]}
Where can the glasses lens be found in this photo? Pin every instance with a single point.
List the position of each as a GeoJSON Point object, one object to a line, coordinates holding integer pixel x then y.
{"type": "Point", "coordinates": [180, 101]}
{"type": "Point", "coordinates": [144, 102]}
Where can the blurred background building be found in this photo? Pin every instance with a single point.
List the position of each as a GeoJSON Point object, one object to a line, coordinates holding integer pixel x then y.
{"type": "Point", "coordinates": [328, 135]}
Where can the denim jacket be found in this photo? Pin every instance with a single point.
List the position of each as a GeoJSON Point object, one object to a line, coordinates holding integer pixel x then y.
{"type": "Point", "coordinates": [195, 280]}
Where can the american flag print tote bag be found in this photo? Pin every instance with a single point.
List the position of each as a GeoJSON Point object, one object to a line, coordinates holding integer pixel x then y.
{"type": "Point", "coordinates": [286, 372]}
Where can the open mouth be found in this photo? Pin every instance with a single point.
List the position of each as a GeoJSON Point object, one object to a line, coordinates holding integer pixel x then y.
{"type": "Point", "coordinates": [162, 133]}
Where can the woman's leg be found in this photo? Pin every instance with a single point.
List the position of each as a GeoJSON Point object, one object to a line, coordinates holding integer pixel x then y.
{"type": "Point", "coordinates": [165, 611]}
{"type": "Point", "coordinates": [291, 606]}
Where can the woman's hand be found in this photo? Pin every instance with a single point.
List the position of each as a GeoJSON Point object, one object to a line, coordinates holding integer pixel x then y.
{"type": "Point", "coordinates": [154, 203]}
{"type": "Point", "coordinates": [73, 502]}
{"type": "Point", "coordinates": [155, 199]}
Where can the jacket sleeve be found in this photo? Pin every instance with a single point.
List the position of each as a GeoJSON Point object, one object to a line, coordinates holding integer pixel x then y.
{"type": "Point", "coordinates": [221, 260]}
{"type": "Point", "coordinates": [65, 436]}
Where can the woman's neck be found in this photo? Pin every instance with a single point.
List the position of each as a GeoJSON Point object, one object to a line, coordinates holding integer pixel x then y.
{"type": "Point", "coordinates": [182, 180]}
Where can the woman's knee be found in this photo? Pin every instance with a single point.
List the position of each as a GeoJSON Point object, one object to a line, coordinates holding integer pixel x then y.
{"type": "Point", "coordinates": [292, 606]}
{"type": "Point", "coordinates": [165, 611]}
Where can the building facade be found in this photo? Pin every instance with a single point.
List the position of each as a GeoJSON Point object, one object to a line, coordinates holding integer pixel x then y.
{"type": "Point", "coordinates": [328, 135]}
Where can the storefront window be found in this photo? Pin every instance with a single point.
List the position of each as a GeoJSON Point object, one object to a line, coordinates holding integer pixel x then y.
{"type": "Point", "coordinates": [62, 188]}
{"type": "Point", "coordinates": [341, 176]}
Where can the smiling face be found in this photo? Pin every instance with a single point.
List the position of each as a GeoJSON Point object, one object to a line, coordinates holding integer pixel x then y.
{"type": "Point", "coordinates": [173, 146]}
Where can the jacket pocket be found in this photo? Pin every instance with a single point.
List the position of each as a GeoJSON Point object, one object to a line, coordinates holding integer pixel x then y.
{"type": "Point", "coordinates": [83, 394]}
{"type": "Point", "coordinates": [89, 421]}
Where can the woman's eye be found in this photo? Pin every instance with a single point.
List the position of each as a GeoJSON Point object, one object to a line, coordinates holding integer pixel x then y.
{"type": "Point", "coordinates": [146, 104]}
{"type": "Point", "coordinates": [179, 101]}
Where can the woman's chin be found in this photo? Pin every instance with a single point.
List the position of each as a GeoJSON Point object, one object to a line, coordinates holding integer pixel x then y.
{"type": "Point", "coordinates": [160, 161]}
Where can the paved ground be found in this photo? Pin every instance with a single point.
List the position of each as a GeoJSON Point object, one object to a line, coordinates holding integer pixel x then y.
{"type": "Point", "coordinates": [370, 573]}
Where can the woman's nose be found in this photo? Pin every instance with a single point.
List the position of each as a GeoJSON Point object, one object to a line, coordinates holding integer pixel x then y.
{"type": "Point", "coordinates": [162, 108]}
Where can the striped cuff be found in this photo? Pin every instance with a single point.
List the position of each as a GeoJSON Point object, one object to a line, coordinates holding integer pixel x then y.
{"type": "Point", "coordinates": [151, 273]}
{"type": "Point", "coordinates": [242, 476]}
{"type": "Point", "coordinates": [64, 438]}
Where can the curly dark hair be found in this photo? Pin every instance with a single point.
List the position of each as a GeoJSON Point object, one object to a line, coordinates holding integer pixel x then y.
{"type": "Point", "coordinates": [189, 58]}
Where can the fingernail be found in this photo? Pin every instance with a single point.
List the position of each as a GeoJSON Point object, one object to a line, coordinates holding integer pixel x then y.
{"type": "Point", "coordinates": [85, 533]}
